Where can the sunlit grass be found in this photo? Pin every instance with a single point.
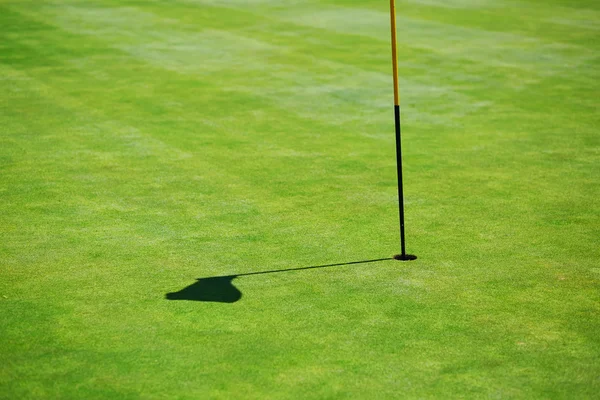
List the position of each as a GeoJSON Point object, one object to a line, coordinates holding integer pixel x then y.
{"type": "Point", "coordinates": [145, 145]}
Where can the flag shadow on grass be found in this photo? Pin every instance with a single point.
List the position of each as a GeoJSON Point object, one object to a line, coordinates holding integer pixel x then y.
{"type": "Point", "coordinates": [220, 289]}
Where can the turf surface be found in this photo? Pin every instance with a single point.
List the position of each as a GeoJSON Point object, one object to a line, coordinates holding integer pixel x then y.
{"type": "Point", "coordinates": [144, 145]}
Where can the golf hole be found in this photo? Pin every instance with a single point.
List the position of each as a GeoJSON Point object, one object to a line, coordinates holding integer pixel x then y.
{"type": "Point", "coordinates": [405, 257]}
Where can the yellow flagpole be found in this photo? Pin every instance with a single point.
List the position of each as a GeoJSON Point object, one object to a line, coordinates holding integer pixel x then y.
{"type": "Point", "coordinates": [394, 51]}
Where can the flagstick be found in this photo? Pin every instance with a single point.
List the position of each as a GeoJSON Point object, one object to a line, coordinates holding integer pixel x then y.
{"type": "Point", "coordinates": [403, 256]}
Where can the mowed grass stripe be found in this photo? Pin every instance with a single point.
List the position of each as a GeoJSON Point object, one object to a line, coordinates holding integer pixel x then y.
{"type": "Point", "coordinates": [423, 93]}
{"type": "Point", "coordinates": [449, 40]}
{"type": "Point", "coordinates": [342, 89]}
{"type": "Point", "coordinates": [552, 22]}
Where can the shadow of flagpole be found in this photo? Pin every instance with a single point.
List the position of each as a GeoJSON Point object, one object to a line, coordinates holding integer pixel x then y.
{"type": "Point", "coordinates": [220, 289]}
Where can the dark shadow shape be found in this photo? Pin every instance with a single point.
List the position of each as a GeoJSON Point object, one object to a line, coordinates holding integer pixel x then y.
{"type": "Point", "coordinates": [220, 289]}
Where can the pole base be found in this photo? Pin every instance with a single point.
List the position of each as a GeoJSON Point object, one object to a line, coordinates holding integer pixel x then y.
{"type": "Point", "coordinates": [405, 257]}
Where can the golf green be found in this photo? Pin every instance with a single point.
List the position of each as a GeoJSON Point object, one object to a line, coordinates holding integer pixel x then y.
{"type": "Point", "coordinates": [169, 171]}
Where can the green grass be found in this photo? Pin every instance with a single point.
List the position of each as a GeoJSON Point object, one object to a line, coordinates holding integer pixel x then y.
{"type": "Point", "coordinates": [145, 144]}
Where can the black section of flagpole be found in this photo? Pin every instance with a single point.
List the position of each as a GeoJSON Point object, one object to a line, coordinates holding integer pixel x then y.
{"type": "Point", "coordinates": [403, 256]}
{"type": "Point", "coordinates": [400, 182]}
